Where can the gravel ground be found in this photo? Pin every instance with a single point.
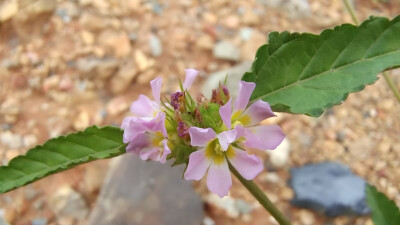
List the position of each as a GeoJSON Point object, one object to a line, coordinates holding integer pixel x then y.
{"type": "Point", "coordinates": [65, 65]}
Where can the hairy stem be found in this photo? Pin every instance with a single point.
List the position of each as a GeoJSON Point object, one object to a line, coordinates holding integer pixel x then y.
{"type": "Point", "coordinates": [261, 197]}
{"type": "Point", "coordinates": [388, 79]}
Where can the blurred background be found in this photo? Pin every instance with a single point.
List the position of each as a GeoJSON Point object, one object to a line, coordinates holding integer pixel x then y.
{"type": "Point", "coordinates": [69, 64]}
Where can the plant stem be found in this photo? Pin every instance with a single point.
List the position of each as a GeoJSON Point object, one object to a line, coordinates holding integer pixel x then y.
{"type": "Point", "coordinates": [351, 11]}
{"type": "Point", "coordinates": [388, 79]}
{"type": "Point", "coordinates": [392, 85]}
{"type": "Point", "coordinates": [261, 197]}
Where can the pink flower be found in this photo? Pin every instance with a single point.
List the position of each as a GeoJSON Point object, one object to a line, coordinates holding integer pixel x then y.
{"type": "Point", "coordinates": [212, 156]}
{"type": "Point", "coordinates": [261, 137]}
{"type": "Point", "coordinates": [147, 108]}
{"type": "Point", "coordinates": [147, 138]}
{"type": "Point", "coordinates": [144, 107]}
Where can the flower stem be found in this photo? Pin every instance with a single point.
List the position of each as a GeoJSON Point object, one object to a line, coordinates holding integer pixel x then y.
{"type": "Point", "coordinates": [392, 85]}
{"type": "Point", "coordinates": [351, 11]}
{"type": "Point", "coordinates": [388, 79]}
{"type": "Point", "coordinates": [261, 197]}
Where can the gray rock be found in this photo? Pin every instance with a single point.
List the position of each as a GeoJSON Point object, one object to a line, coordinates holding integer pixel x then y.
{"type": "Point", "coordinates": [330, 188]}
{"type": "Point", "coordinates": [3, 221]}
{"type": "Point", "coordinates": [246, 33]}
{"type": "Point", "coordinates": [155, 45]}
{"type": "Point", "coordinates": [146, 193]}
{"type": "Point", "coordinates": [226, 50]}
{"type": "Point", "coordinates": [40, 221]}
{"type": "Point", "coordinates": [271, 3]}
{"type": "Point", "coordinates": [298, 8]}
{"type": "Point", "coordinates": [101, 68]}
{"type": "Point", "coordinates": [68, 11]}
{"type": "Point", "coordinates": [133, 36]}
{"type": "Point", "coordinates": [67, 203]}
{"type": "Point", "coordinates": [63, 14]}
{"type": "Point", "coordinates": [227, 204]}
{"type": "Point", "coordinates": [294, 8]}
{"type": "Point", "coordinates": [208, 221]}
{"type": "Point", "coordinates": [10, 63]}
{"type": "Point", "coordinates": [234, 76]}
{"type": "Point", "coordinates": [243, 207]}
{"type": "Point", "coordinates": [11, 140]}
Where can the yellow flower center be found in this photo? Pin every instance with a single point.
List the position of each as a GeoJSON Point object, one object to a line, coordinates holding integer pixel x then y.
{"type": "Point", "coordinates": [239, 119]}
{"type": "Point", "coordinates": [216, 153]}
{"type": "Point", "coordinates": [155, 112]}
{"type": "Point", "coordinates": [157, 139]}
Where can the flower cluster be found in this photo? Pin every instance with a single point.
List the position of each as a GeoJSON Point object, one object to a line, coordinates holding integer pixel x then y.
{"type": "Point", "coordinates": [206, 135]}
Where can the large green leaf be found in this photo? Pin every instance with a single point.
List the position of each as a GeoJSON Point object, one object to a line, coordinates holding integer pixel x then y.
{"type": "Point", "coordinates": [384, 211]}
{"type": "Point", "coordinates": [60, 154]}
{"type": "Point", "coordinates": [306, 73]}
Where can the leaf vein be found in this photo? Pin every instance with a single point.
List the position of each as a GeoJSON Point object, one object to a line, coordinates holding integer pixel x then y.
{"type": "Point", "coordinates": [320, 74]}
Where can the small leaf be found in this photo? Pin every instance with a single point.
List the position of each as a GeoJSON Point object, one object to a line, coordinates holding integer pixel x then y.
{"type": "Point", "coordinates": [384, 211]}
{"type": "Point", "coordinates": [306, 73]}
{"type": "Point", "coordinates": [61, 153]}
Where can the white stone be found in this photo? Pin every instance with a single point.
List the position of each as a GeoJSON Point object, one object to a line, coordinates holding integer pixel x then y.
{"type": "Point", "coordinates": [226, 50]}
{"type": "Point", "coordinates": [11, 140]}
{"type": "Point", "coordinates": [228, 204]}
{"type": "Point", "coordinates": [66, 202]}
{"type": "Point", "coordinates": [155, 45]}
{"type": "Point", "coordinates": [8, 9]}
{"type": "Point", "coordinates": [279, 157]}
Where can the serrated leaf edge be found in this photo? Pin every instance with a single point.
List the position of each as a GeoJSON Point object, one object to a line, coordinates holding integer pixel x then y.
{"type": "Point", "coordinates": [6, 187]}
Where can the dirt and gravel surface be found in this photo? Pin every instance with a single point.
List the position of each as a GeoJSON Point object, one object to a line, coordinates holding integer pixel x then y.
{"type": "Point", "coordinates": [68, 64]}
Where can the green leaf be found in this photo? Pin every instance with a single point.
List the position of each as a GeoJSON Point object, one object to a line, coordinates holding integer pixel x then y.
{"type": "Point", "coordinates": [61, 153]}
{"type": "Point", "coordinates": [306, 73]}
{"type": "Point", "coordinates": [384, 211]}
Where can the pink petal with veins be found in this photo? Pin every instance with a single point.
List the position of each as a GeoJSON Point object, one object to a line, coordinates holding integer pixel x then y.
{"type": "Point", "coordinates": [191, 75]}
{"type": "Point", "coordinates": [226, 113]}
{"type": "Point", "coordinates": [249, 166]}
{"type": "Point", "coordinates": [245, 91]}
{"type": "Point", "coordinates": [201, 136]}
{"type": "Point", "coordinates": [264, 137]}
{"type": "Point", "coordinates": [156, 89]}
{"type": "Point", "coordinates": [198, 165]}
{"type": "Point", "coordinates": [219, 179]}
{"type": "Point", "coordinates": [259, 111]}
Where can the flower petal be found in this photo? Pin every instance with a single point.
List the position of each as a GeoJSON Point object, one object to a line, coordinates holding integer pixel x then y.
{"type": "Point", "coordinates": [125, 122]}
{"type": "Point", "coordinates": [245, 90]}
{"type": "Point", "coordinates": [140, 125]}
{"type": "Point", "coordinates": [143, 107]}
{"type": "Point", "coordinates": [259, 111]}
{"type": "Point", "coordinates": [198, 165]}
{"type": "Point", "coordinates": [249, 166]}
{"type": "Point", "coordinates": [139, 142]}
{"type": "Point", "coordinates": [166, 152]}
{"type": "Point", "coordinates": [191, 75]}
{"type": "Point", "coordinates": [201, 136]}
{"type": "Point", "coordinates": [226, 114]}
{"type": "Point", "coordinates": [159, 124]}
{"type": "Point", "coordinates": [156, 88]}
{"type": "Point", "coordinates": [133, 128]}
{"type": "Point", "coordinates": [150, 153]}
{"type": "Point", "coordinates": [265, 137]}
{"type": "Point", "coordinates": [219, 179]}
{"type": "Point", "coordinates": [227, 137]}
